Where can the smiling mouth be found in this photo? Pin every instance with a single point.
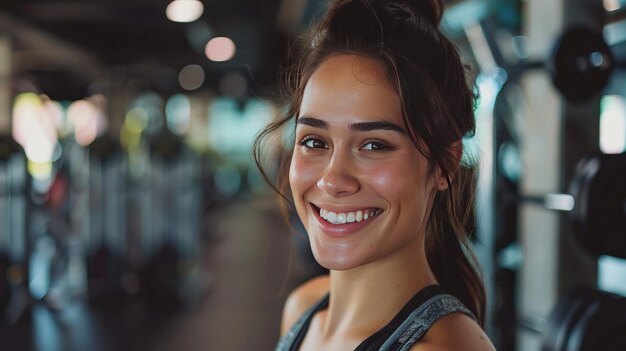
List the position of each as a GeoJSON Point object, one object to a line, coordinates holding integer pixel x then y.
{"type": "Point", "coordinates": [347, 217]}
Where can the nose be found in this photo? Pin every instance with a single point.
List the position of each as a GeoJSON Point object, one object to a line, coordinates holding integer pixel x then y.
{"type": "Point", "coordinates": [339, 178]}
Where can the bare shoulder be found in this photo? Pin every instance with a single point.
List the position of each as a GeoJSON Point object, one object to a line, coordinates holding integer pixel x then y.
{"type": "Point", "coordinates": [455, 331]}
{"type": "Point", "coordinates": [301, 299]}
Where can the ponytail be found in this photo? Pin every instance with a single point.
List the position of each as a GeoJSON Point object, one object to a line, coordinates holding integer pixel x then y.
{"type": "Point", "coordinates": [448, 248]}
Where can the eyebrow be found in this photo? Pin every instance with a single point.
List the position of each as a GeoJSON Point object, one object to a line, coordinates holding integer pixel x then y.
{"type": "Point", "coordinates": [360, 127]}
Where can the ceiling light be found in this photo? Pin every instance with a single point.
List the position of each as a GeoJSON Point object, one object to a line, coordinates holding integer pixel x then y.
{"type": "Point", "coordinates": [220, 49]}
{"type": "Point", "coordinates": [611, 5]}
{"type": "Point", "coordinates": [184, 10]}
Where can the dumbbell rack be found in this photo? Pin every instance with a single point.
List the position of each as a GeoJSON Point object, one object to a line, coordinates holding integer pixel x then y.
{"type": "Point", "coordinates": [552, 134]}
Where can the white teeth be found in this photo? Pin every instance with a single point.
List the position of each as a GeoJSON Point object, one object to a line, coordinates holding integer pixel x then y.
{"type": "Point", "coordinates": [349, 217]}
{"type": "Point", "coordinates": [341, 218]}
{"type": "Point", "coordinates": [331, 217]}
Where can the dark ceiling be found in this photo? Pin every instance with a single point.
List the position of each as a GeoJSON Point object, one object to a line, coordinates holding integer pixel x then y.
{"type": "Point", "coordinates": [71, 48]}
{"type": "Point", "coordinates": [68, 44]}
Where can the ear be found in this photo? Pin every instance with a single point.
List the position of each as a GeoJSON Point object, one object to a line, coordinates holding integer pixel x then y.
{"type": "Point", "coordinates": [456, 152]}
{"type": "Point", "coordinates": [442, 184]}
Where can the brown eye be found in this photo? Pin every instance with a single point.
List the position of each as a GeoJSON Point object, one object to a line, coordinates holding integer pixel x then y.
{"type": "Point", "coordinates": [375, 146]}
{"type": "Point", "coordinates": [312, 143]}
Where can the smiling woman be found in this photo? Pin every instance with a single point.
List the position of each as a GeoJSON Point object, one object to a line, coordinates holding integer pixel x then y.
{"type": "Point", "coordinates": [352, 155]}
{"type": "Point", "coordinates": [381, 104]}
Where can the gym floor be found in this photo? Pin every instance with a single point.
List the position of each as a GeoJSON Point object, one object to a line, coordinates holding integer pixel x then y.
{"type": "Point", "coordinates": [248, 271]}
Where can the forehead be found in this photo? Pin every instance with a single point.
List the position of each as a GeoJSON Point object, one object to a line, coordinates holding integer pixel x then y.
{"type": "Point", "coordinates": [351, 86]}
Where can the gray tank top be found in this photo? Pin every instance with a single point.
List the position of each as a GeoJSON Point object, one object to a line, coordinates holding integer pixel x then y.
{"type": "Point", "coordinates": [404, 330]}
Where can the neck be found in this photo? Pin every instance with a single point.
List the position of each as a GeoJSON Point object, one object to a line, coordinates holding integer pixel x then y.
{"type": "Point", "coordinates": [366, 298]}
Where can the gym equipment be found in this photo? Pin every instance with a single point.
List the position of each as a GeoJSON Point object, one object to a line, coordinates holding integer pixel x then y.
{"type": "Point", "coordinates": [599, 217]}
{"type": "Point", "coordinates": [100, 207]}
{"type": "Point", "coordinates": [581, 63]}
{"type": "Point", "coordinates": [587, 320]}
{"type": "Point", "coordinates": [171, 219]}
{"type": "Point", "coordinates": [14, 208]}
{"type": "Point", "coordinates": [596, 203]}
{"type": "Point", "coordinates": [580, 67]}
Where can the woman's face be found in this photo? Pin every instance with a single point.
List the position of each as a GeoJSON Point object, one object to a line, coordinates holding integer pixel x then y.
{"type": "Point", "coordinates": [361, 188]}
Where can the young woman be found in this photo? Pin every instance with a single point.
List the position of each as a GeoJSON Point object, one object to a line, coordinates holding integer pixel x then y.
{"type": "Point", "coordinates": [380, 105]}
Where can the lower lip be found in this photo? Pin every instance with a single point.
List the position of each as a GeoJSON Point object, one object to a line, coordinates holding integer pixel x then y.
{"type": "Point", "coordinates": [341, 230]}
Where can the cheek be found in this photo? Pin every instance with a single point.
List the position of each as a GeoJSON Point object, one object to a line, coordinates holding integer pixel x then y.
{"type": "Point", "coordinates": [301, 175]}
{"type": "Point", "coordinates": [382, 177]}
{"type": "Point", "coordinates": [395, 179]}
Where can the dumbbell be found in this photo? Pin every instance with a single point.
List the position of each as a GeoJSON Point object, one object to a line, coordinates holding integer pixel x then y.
{"type": "Point", "coordinates": [596, 204]}
{"type": "Point", "coordinates": [587, 320]}
{"type": "Point", "coordinates": [581, 63]}
{"type": "Point", "coordinates": [599, 219]}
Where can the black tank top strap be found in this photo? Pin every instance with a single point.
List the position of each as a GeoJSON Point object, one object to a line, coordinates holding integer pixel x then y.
{"type": "Point", "coordinates": [293, 339]}
{"type": "Point", "coordinates": [405, 329]}
{"type": "Point", "coordinates": [418, 316]}
{"type": "Point", "coordinates": [377, 339]}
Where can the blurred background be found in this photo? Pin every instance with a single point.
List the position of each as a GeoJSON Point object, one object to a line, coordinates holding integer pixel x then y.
{"type": "Point", "coordinates": [132, 216]}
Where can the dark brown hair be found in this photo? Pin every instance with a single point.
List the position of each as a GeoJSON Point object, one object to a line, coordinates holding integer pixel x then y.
{"type": "Point", "coordinates": [438, 110]}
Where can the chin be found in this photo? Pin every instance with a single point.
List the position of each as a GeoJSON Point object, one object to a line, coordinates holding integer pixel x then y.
{"type": "Point", "coordinates": [335, 261]}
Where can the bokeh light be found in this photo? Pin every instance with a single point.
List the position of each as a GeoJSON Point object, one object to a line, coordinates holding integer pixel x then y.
{"type": "Point", "coordinates": [613, 124]}
{"type": "Point", "coordinates": [184, 10]}
{"type": "Point", "coordinates": [178, 114]}
{"type": "Point", "coordinates": [611, 5]}
{"type": "Point", "coordinates": [191, 77]}
{"type": "Point", "coordinates": [34, 127]}
{"type": "Point", "coordinates": [220, 49]}
{"type": "Point", "coordinates": [87, 120]}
